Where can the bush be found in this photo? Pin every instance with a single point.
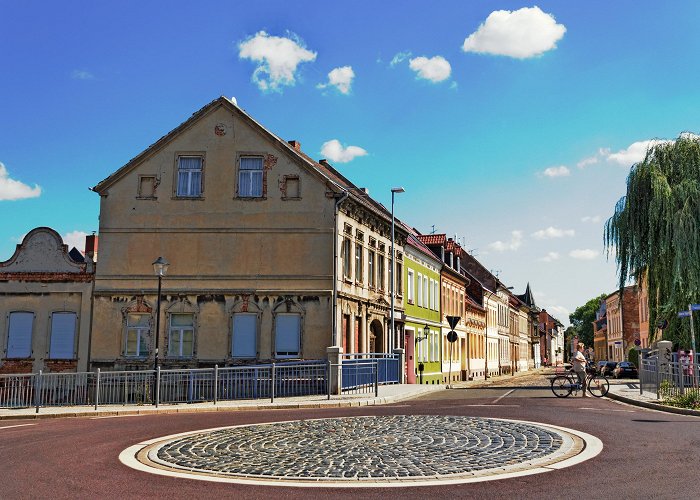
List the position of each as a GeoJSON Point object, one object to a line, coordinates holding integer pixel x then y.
{"type": "Point", "coordinates": [691, 400]}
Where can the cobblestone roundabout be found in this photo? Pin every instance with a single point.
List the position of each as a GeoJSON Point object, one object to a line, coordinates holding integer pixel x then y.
{"type": "Point", "coordinates": [372, 448]}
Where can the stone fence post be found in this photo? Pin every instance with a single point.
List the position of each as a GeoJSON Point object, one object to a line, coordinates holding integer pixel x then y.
{"type": "Point", "coordinates": [401, 354]}
{"type": "Point", "coordinates": [335, 359]}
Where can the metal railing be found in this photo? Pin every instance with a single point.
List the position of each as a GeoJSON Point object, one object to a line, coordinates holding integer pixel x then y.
{"type": "Point", "coordinates": [670, 379]}
{"type": "Point", "coordinates": [164, 386]}
{"type": "Point", "coordinates": [387, 366]}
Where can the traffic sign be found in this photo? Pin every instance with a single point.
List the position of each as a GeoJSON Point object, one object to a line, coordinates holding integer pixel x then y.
{"type": "Point", "coordinates": [637, 342]}
{"type": "Point", "coordinates": [695, 307]}
{"type": "Point", "coordinates": [683, 314]}
{"type": "Point", "coordinates": [452, 336]}
{"type": "Point", "coordinates": [452, 321]}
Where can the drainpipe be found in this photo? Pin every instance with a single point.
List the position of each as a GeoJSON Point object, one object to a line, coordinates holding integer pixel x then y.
{"type": "Point", "coordinates": [334, 322]}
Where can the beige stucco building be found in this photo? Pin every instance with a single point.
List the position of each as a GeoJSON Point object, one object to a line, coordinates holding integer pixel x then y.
{"type": "Point", "coordinates": [45, 304]}
{"type": "Point", "coordinates": [252, 229]}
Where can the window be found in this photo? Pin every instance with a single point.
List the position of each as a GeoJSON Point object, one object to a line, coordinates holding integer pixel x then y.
{"type": "Point", "coordinates": [370, 268]}
{"type": "Point", "coordinates": [181, 335]}
{"type": "Point", "coordinates": [291, 188]}
{"type": "Point", "coordinates": [244, 336]}
{"type": "Point", "coordinates": [358, 262]}
{"type": "Point", "coordinates": [347, 255]}
{"type": "Point", "coordinates": [399, 279]}
{"type": "Point", "coordinates": [380, 272]}
{"type": "Point", "coordinates": [19, 335]}
{"type": "Point", "coordinates": [189, 176]}
{"type": "Point", "coordinates": [436, 287]}
{"type": "Point", "coordinates": [419, 290]}
{"type": "Point", "coordinates": [287, 335]}
{"type": "Point", "coordinates": [411, 284]}
{"type": "Point", "coordinates": [250, 177]}
{"type": "Point", "coordinates": [62, 345]}
{"type": "Point", "coordinates": [425, 292]}
{"type": "Point", "coordinates": [138, 328]}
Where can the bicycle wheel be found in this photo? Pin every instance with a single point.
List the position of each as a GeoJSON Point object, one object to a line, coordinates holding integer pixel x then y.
{"type": "Point", "coordinates": [561, 386]}
{"type": "Point", "coordinates": [598, 386]}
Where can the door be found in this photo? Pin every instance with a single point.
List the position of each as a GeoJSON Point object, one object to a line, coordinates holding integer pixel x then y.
{"type": "Point", "coordinates": [410, 356]}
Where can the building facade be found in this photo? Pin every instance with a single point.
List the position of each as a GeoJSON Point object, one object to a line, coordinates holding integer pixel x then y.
{"type": "Point", "coordinates": [622, 311]}
{"type": "Point", "coordinates": [45, 304]}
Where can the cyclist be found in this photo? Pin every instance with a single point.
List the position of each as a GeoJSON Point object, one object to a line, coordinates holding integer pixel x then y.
{"type": "Point", "coordinates": [579, 362]}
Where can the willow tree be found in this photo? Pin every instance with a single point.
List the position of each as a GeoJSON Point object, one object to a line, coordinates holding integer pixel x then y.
{"type": "Point", "coordinates": [655, 230]}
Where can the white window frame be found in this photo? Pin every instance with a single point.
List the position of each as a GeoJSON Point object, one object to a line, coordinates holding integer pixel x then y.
{"type": "Point", "coordinates": [18, 346]}
{"type": "Point", "coordinates": [410, 291]}
{"type": "Point", "coordinates": [287, 353]}
{"type": "Point", "coordinates": [142, 337]}
{"type": "Point", "coordinates": [61, 347]}
{"type": "Point", "coordinates": [358, 262]}
{"type": "Point", "coordinates": [187, 184]}
{"type": "Point", "coordinates": [371, 264]}
{"type": "Point", "coordinates": [255, 178]}
{"type": "Point", "coordinates": [245, 336]}
{"type": "Point", "coordinates": [347, 258]}
{"type": "Point", "coordinates": [176, 335]}
{"type": "Point", "coordinates": [419, 290]}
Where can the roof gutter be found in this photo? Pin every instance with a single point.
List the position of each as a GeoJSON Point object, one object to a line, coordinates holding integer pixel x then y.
{"type": "Point", "coordinates": [334, 322]}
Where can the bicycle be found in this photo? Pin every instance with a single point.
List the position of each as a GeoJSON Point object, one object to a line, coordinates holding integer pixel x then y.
{"type": "Point", "coordinates": [564, 385]}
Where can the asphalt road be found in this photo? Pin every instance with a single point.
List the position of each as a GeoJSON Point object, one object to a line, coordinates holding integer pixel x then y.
{"type": "Point", "coordinates": [647, 454]}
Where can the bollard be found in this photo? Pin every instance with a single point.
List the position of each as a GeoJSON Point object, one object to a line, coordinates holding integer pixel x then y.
{"type": "Point", "coordinates": [272, 389]}
{"type": "Point", "coordinates": [97, 390]}
{"type": "Point", "coordinates": [216, 383]}
{"type": "Point", "coordinates": [376, 380]}
{"type": "Point", "coordinates": [37, 391]}
{"type": "Point", "coordinates": [157, 386]}
{"type": "Point", "coordinates": [328, 378]}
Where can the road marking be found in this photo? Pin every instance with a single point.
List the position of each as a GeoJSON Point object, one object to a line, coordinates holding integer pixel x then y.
{"type": "Point", "coordinates": [501, 397]}
{"type": "Point", "coordinates": [119, 416]}
{"type": "Point", "coordinates": [18, 425]}
{"type": "Point", "coordinates": [500, 406]}
{"type": "Point", "coordinates": [605, 409]}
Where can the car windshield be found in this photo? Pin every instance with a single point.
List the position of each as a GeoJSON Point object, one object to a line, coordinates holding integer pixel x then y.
{"type": "Point", "coordinates": [626, 365]}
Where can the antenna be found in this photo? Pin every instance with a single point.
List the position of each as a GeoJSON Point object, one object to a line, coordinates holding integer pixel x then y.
{"type": "Point", "coordinates": [495, 272]}
{"type": "Point", "coordinates": [433, 231]}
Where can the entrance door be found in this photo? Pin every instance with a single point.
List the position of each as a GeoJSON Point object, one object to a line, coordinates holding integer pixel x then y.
{"type": "Point", "coordinates": [410, 356]}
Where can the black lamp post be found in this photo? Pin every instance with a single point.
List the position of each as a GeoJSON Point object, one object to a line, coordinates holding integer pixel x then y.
{"type": "Point", "coordinates": [160, 267]}
{"type": "Point", "coordinates": [426, 333]}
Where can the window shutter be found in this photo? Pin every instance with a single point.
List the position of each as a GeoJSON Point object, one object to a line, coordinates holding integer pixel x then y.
{"type": "Point", "coordinates": [62, 336]}
{"type": "Point", "coordinates": [244, 336]}
{"type": "Point", "coordinates": [287, 330]}
{"type": "Point", "coordinates": [19, 338]}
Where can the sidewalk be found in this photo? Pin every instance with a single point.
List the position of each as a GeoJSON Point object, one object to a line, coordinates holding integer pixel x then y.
{"type": "Point", "coordinates": [387, 394]}
{"type": "Point", "coordinates": [629, 393]}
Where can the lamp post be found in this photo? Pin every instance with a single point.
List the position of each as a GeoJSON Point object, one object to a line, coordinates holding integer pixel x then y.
{"type": "Point", "coordinates": [160, 267]}
{"type": "Point", "coordinates": [391, 337]}
{"type": "Point", "coordinates": [426, 333]}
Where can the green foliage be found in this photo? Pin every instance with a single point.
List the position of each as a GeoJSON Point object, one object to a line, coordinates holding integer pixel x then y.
{"type": "Point", "coordinates": [633, 356]}
{"type": "Point", "coordinates": [655, 229]}
{"type": "Point", "coordinates": [582, 320]}
{"type": "Point", "coordinates": [691, 399]}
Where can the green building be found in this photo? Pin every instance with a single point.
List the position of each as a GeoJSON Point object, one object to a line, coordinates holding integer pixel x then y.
{"type": "Point", "coordinates": [422, 306]}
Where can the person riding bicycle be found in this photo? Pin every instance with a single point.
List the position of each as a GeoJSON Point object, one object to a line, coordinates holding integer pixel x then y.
{"type": "Point", "coordinates": [579, 367]}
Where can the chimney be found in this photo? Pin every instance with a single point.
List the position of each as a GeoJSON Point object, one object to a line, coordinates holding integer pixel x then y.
{"type": "Point", "coordinates": [324, 162]}
{"type": "Point", "coordinates": [452, 260]}
{"type": "Point", "coordinates": [442, 254]}
{"type": "Point", "coordinates": [295, 144]}
{"type": "Point", "coordinates": [459, 266]}
{"type": "Point", "coordinates": [91, 246]}
{"type": "Point", "coordinates": [365, 191]}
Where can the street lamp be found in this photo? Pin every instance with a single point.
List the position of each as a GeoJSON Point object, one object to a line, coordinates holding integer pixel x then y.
{"type": "Point", "coordinates": [391, 337]}
{"type": "Point", "coordinates": [160, 267]}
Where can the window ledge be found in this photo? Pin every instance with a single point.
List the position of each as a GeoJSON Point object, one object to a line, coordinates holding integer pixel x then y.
{"type": "Point", "coordinates": [187, 198]}
{"type": "Point", "coordinates": [250, 198]}
{"type": "Point", "coordinates": [152, 198]}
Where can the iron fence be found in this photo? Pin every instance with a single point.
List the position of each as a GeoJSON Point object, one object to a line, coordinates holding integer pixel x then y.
{"type": "Point", "coordinates": [668, 379]}
{"type": "Point", "coordinates": [388, 368]}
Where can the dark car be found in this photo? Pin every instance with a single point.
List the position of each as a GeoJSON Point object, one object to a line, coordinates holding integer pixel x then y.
{"type": "Point", "coordinates": [599, 366]}
{"type": "Point", "coordinates": [625, 369]}
{"type": "Point", "coordinates": [607, 369]}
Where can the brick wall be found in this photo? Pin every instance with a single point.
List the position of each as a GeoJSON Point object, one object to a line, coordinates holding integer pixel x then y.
{"type": "Point", "coordinates": [16, 366]}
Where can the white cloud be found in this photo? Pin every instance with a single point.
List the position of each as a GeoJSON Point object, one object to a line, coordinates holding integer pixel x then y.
{"type": "Point", "coordinates": [583, 254]}
{"type": "Point", "coordinates": [75, 239]}
{"type": "Point", "coordinates": [594, 219]}
{"type": "Point", "coordinates": [559, 312]}
{"type": "Point", "coordinates": [626, 157]}
{"type": "Point", "coordinates": [335, 151]}
{"type": "Point", "coordinates": [552, 232]}
{"type": "Point", "coordinates": [341, 78]}
{"type": "Point", "coordinates": [81, 74]}
{"type": "Point", "coordinates": [551, 256]}
{"type": "Point", "coordinates": [436, 69]}
{"type": "Point", "coordinates": [516, 240]}
{"type": "Point", "coordinates": [560, 171]}
{"type": "Point", "coordinates": [11, 189]}
{"type": "Point", "coordinates": [278, 58]}
{"type": "Point", "coordinates": [522, 33]}
{"type": "Point", "coordinates": [592, 160]}
{"type": "Point", "coordinates": [399, 58]}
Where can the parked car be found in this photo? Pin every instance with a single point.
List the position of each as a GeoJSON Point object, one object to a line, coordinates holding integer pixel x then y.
{"type": "Point", "coordinates": [625, 369]}
{"type": "Point", "coordinates": [599, 366]}
{"type": "Point", "coordinates": [607, 369]}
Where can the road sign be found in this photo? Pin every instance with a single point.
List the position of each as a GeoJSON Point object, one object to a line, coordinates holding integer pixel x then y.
{"type": "Point", "coordinates": [637, 342]}
{"type": "Point", "coordinates": [695, 307]}
{"type": "Point", "coordinates": [452, 336]}
{"type": "Point", "coordinates": [683, 314]}
{"type": "Point", "coordinates": [452, 321]}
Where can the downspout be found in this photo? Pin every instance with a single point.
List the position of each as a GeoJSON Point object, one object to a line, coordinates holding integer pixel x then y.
{"type": "Point", "coordinates": [334, 322]}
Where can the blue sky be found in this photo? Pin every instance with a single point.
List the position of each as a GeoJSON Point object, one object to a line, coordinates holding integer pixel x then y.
{"type": "Point", "coordinates": [512, 125]}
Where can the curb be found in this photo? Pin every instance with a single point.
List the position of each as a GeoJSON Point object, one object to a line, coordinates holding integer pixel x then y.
{"type": "Point", "coordinates": [654, 406]}
{"type": "Point", "coordinates": [193, 409]}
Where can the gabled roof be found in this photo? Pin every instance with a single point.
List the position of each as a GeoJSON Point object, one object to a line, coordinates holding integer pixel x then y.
{"type": "Point", "coordinates": [432, 239]}
{"type": "Point", "coordinates": [334, 179]}
{"type": "Point", "coordinates": [527, 298]}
